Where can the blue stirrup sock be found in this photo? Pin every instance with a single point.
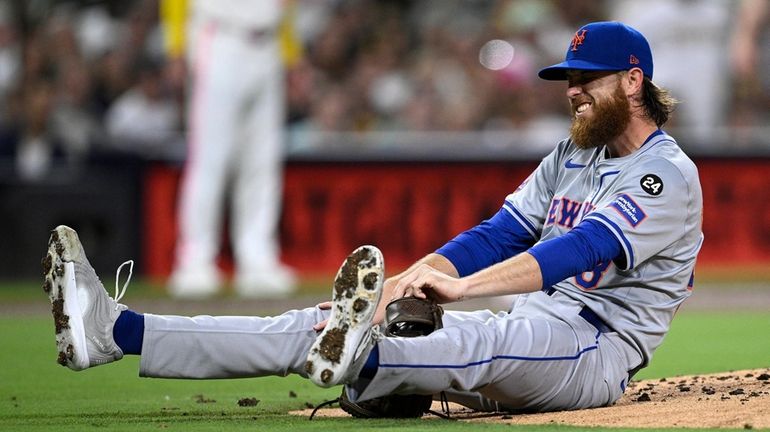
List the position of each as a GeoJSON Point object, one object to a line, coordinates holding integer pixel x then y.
{"type": "Point", "coordinates": [128, 332]}
{"type": "Point", "coordinates": [372, 363]}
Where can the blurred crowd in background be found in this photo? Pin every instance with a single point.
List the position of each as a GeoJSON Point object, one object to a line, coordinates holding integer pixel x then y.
{"type": "Point", "coordinates": [79, 78]}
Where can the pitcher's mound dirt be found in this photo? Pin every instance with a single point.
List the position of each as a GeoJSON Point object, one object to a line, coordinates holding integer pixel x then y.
{"type": "Point", "coordinates": [726, 400]}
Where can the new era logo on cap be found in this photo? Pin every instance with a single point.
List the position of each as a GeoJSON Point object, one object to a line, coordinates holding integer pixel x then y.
{"type": "Point", "coordinates": [603, 46]}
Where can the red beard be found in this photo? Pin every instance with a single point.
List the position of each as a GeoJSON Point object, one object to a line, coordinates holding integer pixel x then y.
{"type": "Point", "coordinates": [609, 120]}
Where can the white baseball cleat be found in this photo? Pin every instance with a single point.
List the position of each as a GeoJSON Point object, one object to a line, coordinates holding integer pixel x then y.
{"type": "Point", "coordinates": [340, 351]}
{"type": "Point", "coordinates": [83, 313]}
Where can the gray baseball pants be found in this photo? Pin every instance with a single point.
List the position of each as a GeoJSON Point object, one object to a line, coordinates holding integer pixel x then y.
{"type": "Point", "coordinates": [542, 356]}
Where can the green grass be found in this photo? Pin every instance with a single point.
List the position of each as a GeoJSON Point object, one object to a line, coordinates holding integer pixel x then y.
{"type": "Point", "coordinates": [702, 342]}
{"type": "Point", "coordinates": [36, 394]}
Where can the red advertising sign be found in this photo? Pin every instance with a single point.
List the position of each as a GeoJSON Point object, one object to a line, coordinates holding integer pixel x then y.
{"type": "Point", "coordinates": [410, 209]}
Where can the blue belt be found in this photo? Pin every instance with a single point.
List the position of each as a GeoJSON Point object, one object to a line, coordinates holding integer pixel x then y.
{"type": "Point", "coordinates": [587, 315]}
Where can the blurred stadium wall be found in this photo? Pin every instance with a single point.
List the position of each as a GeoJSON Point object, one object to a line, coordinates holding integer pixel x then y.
{"type": "Point", "coordinates": [407, 203]}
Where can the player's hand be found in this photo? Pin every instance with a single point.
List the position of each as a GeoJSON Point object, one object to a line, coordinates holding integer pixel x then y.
{"type": "Point", "coordinates": [323, 306]}
{"type": "Point", "coordinates": [427, 282]}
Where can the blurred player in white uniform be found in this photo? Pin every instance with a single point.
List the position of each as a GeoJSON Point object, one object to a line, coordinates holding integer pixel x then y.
{"type": "Point", "coordinates": [235, 115]}
{"type": "Point", "coordinates": [688, 35]}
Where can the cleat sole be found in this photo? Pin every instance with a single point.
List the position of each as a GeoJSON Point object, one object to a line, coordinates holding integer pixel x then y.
{"type": "Point", "coordinates": [357, 288]}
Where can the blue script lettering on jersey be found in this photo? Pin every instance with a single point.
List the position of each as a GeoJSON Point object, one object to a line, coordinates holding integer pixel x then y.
{"type": "Point", "coordinates": [565, 212]}
{"type": "Point", "coordinates": [629, 209]}
{"type": "Point", "coordinates": [569, 211]}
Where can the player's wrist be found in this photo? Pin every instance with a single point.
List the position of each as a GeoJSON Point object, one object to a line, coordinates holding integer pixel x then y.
{"type": "Point", "coordinates": [470, 287]}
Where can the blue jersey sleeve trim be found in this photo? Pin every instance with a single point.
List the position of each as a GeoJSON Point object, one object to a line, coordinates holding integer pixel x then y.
{"type": "Point", "coordinates": [488, 243]}
{"type": "Point", "coordinates": [615, 229]}
{"type": "Point", "coordinates": [575, 252]}
{"type": "Point", "coordinates": [522, 220]}
{"type": "Point", "coordinates": [460, 257]}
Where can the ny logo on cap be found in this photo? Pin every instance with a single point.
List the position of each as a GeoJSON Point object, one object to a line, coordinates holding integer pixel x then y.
{"type": "Point", "coordinates": [578, 39]}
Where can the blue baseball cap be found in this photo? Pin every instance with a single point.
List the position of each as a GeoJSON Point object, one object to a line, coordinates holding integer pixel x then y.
{"type": "Point", "coordinates": [603, 46]}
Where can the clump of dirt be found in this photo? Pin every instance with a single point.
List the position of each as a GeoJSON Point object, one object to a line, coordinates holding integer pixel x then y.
{"type": "Point", "coordinates": [199, 398]}
{"type": "Point", "coordinates": [346, 281]}
{"type": "Point", "coordinates": [248, 402]}
{"type": "Point", "coordinates": [47, 263]}
{"type": "Point", "coordinates": [60, 319]}
{"type": "Point", "coordinates": [54, 237]}
{"type": "Point", "coordinates": [360, 304]}
{"type": "Point", "coordinates": [65, 356]}
{"type": "Point", "coordinates": [62, 358]}
{"type": "Point", "coordinates": [326, 375]}
{"type": "Point", "coordinates": [58, 245]}
{"type": "Point", "coordinates": [332, 344]}
{"type": "Point", "coordinates": [370, 281]}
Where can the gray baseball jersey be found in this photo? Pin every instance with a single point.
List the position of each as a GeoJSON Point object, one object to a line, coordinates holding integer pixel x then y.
{"type": "Point", "coordinates": [651, 201]}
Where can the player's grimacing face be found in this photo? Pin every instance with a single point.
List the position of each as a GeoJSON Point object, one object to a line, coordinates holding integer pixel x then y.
{"type": "Point", "coordinates": [600, 108]}
{"type": "Point", "coordinates": [584, 87]}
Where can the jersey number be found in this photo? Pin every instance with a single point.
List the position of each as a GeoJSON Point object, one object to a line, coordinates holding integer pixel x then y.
{"type": "Point", "coordinates": [589, 279]}
{"type": "Point", "coordinates": [650, 184]}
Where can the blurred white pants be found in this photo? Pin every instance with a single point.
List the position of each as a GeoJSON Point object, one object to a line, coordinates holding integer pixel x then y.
{"type": "Point", "coordinates": [235, 138]}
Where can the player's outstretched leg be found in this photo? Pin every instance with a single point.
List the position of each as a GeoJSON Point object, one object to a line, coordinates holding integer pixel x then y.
{"type": "Point", "coordinates": [83, 313]}
{"type": "Point", "coordinates": [339, 352]}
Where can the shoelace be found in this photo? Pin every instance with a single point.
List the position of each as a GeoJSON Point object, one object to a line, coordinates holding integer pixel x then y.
{"type": "Point", "coordinates": [444, 407]}
{"type": "Point", "coordinates": [446, 414]}
{"type": "Point", "coordinates": [321, 405]}
{"type": "Point", "coordinates": [120, 295]}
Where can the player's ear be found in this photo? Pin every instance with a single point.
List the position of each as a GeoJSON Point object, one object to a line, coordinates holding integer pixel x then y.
{"type": "Point", "coordinates": [633, 80]}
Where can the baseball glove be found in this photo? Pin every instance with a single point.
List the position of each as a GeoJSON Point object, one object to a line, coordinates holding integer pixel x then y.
{"type": "Point", "coordinates": [404, 317]}
{"type": "Point", "coordinates": [412, 317]}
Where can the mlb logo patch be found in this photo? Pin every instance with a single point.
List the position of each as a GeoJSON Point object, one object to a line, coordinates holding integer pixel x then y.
{"type": "Point", "coordinates": [629, 209]}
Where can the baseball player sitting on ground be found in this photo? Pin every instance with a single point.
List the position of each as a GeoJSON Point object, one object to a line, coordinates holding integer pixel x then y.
{"type": "Point", "coordinates": [600, 242]}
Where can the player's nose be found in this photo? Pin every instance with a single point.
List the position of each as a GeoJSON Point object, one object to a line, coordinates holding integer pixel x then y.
{"type": "Point", "coordinates": [573, 90]}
